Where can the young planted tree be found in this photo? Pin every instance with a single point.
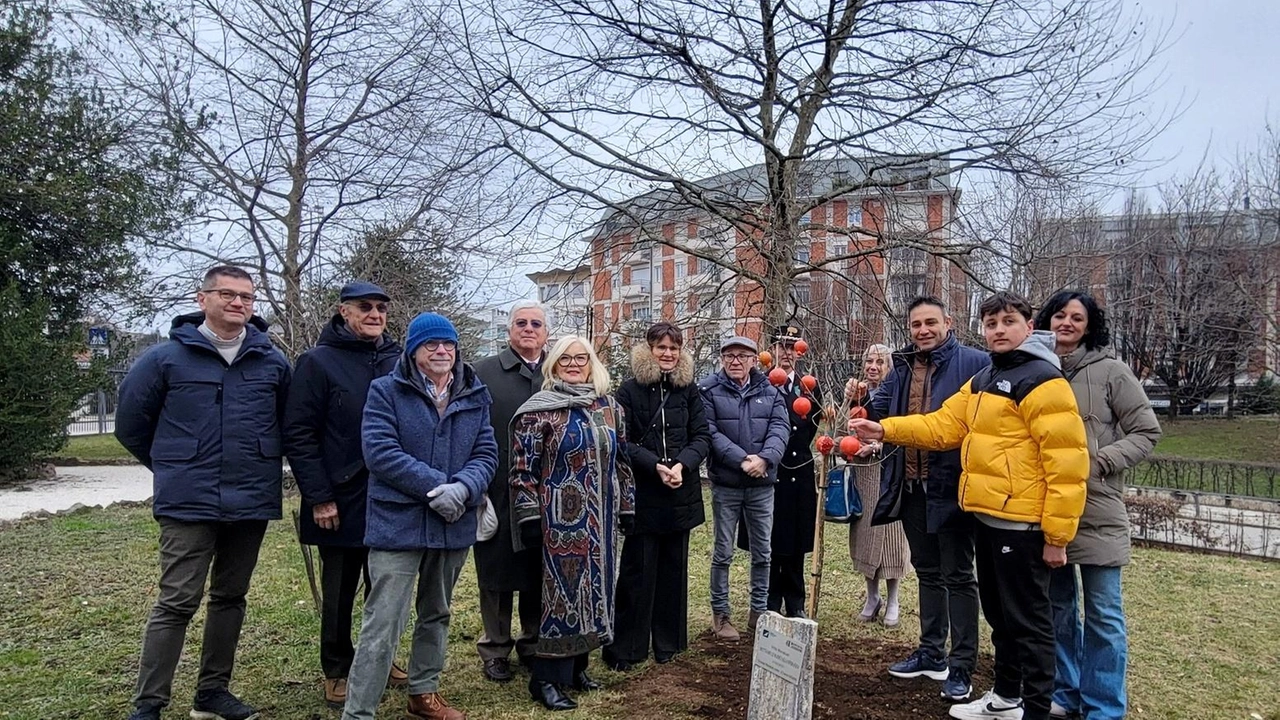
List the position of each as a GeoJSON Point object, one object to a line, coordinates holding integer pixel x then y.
{"type": "Point", "coordinates": [636, 105]}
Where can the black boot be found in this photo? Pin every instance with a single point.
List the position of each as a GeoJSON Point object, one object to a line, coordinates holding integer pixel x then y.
{"type": "Point", "coordinates": [550, 696]}
{"type": "Point", "coordinates": [582, 682]}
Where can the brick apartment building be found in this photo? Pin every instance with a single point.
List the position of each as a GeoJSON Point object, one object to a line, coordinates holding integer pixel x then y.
{"type": "Point", "coordinates": [659, 268]}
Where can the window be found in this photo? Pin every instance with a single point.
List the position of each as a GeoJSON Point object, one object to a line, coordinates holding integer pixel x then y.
{"type": "Point", "coordinates": [806, 219]}
{"type": "Point", "coordinates": [550, 292]}
{"type": "Point", "coordinates": [680, 268]}
{"type": "Point", "coordinates": [802, 252]}
{"type": "Point", "coordinates": [578, 290]}
{"type": "Point", "coordinates": [800, 290]}
{"type": "Point", "coordinates": [641, 275]}
{"type": "Point", "coordinates": [640, 311]}
{"type": "Point", "coordinates": [616, 284]}
{"type": "Point", "coordinates": [839, 179]}
{"type": "Point", "coordinates": [855, 217]}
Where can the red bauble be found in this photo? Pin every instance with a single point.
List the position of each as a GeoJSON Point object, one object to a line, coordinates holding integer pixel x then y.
{"type": "Point", "coordinates": [826, 444]}
{"type": "Point", "coordinates": [802, 406]}
{"type": "Point", "coordinates": [857, 412]}
{"type": "Point", "coordinates": [849, 446]}
{"type": "Point", "coordinates": [778, 377]}
{"type": "Point", "coordinates": [801, 347]}
{"type": "Point", "coordinates": [809, 382]}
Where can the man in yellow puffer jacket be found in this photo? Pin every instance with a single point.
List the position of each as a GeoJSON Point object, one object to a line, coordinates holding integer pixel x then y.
{"type": "Point", "coordinates": [1025, 464]}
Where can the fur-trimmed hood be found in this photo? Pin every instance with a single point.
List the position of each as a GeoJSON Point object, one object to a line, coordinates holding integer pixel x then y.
{"type": "Point", "coordinates": [645, 367]}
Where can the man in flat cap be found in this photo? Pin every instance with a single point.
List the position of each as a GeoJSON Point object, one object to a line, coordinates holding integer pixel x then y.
{"type": "Point", "coordinates": [322, 440]}
{"type": "Point", "coordinates": [749, 431]}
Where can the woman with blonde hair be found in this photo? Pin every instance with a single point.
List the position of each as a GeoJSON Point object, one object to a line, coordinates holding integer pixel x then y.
{"type": "Point", "coordinates": [572, 495]}
{"type": "Point", "coordinates": [879, 552]}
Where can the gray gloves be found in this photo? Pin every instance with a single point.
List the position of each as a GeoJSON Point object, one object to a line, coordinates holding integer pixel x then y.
{"type": "Point", "coordinates": [450, 500]}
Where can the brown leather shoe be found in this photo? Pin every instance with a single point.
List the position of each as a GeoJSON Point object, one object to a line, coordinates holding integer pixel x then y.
{"type": "Point", "coordinates": [432, 706]}
{"type": "Point", "coordinates": [752, 618]}
{"type": "Point", "coordinates": [724, 629]}
{"type": "Point", "coordinates": [335, 692]}
{"type": "Point", "coordinates": [397, 678]}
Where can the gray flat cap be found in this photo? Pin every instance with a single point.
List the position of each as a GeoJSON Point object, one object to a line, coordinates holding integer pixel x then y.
{"type": "Point", "coordinates": [739, 341]}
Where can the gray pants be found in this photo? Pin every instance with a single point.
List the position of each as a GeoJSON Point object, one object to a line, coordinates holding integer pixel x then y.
{"type": "Point", "coordinates": [754, 505]}
{"type": "Point", "coordinates": [394, 574]}
{"type": "Point", "coordinates": [495, 617]}
{"type": "Point", "coordinates": [187, 552]}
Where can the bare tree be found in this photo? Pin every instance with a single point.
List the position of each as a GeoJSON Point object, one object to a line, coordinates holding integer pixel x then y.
{"type": "Point", "coordinates": [653, 109]}
{"type": "Point", "coordinates": [295, 128]}
{"type": "Point", "coordinates": [1182, 291]}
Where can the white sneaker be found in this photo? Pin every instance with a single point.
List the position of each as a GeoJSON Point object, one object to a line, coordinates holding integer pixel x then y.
{"type": "Point", "coordinates": [988, 706]}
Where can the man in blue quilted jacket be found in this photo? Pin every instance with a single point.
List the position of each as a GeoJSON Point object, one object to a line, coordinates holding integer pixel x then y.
{"type": "Point", "coordinates": [202, 412]}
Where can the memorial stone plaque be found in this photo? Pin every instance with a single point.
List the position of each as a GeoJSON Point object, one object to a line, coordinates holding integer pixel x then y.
{"type": "Point", "coordinates": [782, 669]}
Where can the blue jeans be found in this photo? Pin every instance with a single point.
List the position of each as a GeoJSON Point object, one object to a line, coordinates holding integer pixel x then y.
{"type": "Point", "coordinates": [1091, 656]}
{"type": "Point", "coordinates": [754, 506]}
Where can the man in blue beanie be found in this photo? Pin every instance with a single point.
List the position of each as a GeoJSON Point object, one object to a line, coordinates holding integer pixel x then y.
{"type": "Point", "coordinates": [431, 454]}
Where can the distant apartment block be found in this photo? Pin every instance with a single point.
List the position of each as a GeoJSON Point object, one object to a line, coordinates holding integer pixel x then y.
{"type": "Point", "coordinates": [666, 267]}
{"type": "Point", "coordinates": [565, 293]}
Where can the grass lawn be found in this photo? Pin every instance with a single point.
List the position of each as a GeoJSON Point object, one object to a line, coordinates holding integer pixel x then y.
{"type": "Point", "coordinates": [1251, 438]}
{"type": "Point", "coordinates": [75, 591]}
{"type": "Point", "coordinates": [87, 449]}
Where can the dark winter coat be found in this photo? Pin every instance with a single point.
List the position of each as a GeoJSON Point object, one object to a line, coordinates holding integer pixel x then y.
{"type": "Point", "coordinates": [498, 567]}
{"type": "Point", "coordinates": [795, 501]}
{"type": "Point", "coordinates": [666, 423]}
{"type": "Point", "coordinates": [950, 367]}
{"type": "Point", "coordinates": [411, 449]}
{"type": "Point", "coordinates": [1122, 430]}
{"type": "Point", "coordinates": [744, 421]}
{"type": "Point", "coordinates": [209, 431]}
{"type": "Point", "coordinates": [322, 428]}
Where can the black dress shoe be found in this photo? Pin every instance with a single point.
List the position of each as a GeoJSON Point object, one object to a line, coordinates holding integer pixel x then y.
{"type": "Point", "coordinates": [582, 682]}
{"type": "Point", "coordinates": [550, 696]}
{"type": "Point", "coordinates": [663, 659]}
{"type": "Point", "coordinates": [619, 665]}
{"type": "Point", "coordinates": [498, 669]}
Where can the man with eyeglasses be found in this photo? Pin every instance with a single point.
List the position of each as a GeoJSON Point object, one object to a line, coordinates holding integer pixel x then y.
{"type": "Point", "coordinates": [322, 440]}
{"type": "Point", "coordinates": [202, 412]}
{"type": "Point", "coordinates": [512, 376]}
{"type": "Point", "coordinates": [749, 430]}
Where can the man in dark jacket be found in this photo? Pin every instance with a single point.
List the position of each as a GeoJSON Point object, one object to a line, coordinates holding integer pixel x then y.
{"type": "Point", "coordinates": [322, 442]}
{"type": "Point", "coordinates": [749, 430]}
{"type": "Point", "coordinates": [920, 488]}
{"type": "Point", "coordinates": [795, 503]}
{"type": "Point", "coordinates": [512, 377]}
{"type": "Point", "coordinates": [202, 412]}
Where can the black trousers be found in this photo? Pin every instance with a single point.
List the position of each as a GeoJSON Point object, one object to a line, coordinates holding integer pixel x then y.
{"type": "Point", "coordinates": [786, 584]}
{"type": "Point", "coordinates": [652, 601]}
{"type": "Point", "coordinates": [1014, 584]}
{"type": "Point", "coordinates": [948, 587]}
{"type": "Point", "coordinates": [340, 572]}
{"type": "Point", "coordinates": [495, 619]}
{"type": "Point", "coordinates": [560, 671]}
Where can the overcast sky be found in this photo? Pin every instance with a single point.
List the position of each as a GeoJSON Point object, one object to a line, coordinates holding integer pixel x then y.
{"type": "Point", "coordinates": [1224, 66]}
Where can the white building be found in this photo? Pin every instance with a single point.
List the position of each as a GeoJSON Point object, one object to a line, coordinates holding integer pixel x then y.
{"type": "Point", "coordinates": [565, 293]}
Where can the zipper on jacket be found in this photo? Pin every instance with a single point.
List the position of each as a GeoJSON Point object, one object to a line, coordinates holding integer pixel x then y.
{"type": "Point", "coordinates": [662, 414]}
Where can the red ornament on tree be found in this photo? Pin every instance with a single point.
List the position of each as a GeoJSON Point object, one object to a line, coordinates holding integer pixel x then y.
{"type": "Point", "coordinates": [802, 406]}
{"type": "Point", "coordinates": [801, 347]}
{"type": "Point", "coordinates": [826, 444]}
{"type": "Point", "coordinates": [809, 382]}
{"type": "Point", "coordinates": [849, 446]}
{"type": "Point", "coordinates": [778, 377]}
{"type": "Point", "coordinates": [857, 412]}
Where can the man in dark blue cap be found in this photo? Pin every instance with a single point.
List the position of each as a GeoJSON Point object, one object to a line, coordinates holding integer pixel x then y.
{"type": "Point", "coordinates": [322, 440]}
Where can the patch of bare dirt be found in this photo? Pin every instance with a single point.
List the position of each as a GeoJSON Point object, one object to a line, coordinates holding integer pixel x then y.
{"type": "Point", "coordinates": [713, 680]}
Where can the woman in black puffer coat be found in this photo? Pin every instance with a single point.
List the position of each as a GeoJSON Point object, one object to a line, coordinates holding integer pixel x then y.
{"type": "Point", "coordinates": [667, 440]}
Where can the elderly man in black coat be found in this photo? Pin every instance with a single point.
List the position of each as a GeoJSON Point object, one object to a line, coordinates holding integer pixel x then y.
{"type": "Point", "coordinates": [322, 441]}
{"type": "Point", "coordinates": [512, 377]}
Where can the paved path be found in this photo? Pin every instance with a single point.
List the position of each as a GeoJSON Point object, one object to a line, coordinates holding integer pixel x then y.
{"type": "Point", "coordinates": [88, 485]}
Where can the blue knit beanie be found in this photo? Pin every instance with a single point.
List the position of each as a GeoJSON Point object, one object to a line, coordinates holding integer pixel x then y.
{"type": "Point", "coordinates": [429, 326]}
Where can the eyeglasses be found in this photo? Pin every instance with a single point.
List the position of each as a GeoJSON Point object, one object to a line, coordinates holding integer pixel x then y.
{"type": "Point", "coordinates": [434, 345]}
{"type": "Point", "coordinates": [575, 360]}
{"type": "Point", "coordinates": [230, 295]}
{"type": "Point", "coordinates": [535, 324]}
{"type": "Point", "coordinates": [365, 306]}
{"type": "Point", "coordinates": [735, 357]}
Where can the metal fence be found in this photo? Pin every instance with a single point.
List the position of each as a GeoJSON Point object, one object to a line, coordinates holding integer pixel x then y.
{"type": "Point", "coordinates": [1223, 477]}
{"type": "Point", "coordinates": [1206, 522]}
{"type": "Point", "coordinates": [95, 414]}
